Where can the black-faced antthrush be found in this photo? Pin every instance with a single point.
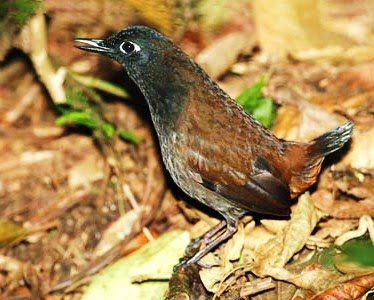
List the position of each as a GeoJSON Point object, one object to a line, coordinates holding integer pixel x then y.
{"type": "Point", "coordinates": [214, 151]}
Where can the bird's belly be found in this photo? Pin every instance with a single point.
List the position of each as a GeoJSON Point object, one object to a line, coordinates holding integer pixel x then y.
{"type": "Point", "coordinates": [174, 160]}
{"type": "Point", "coordinates": [173, 155]}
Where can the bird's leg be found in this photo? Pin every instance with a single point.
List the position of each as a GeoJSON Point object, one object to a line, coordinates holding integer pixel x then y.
{"type": "Point", "coordinates": [205, 238]}
{"type": "Point", "coordinates": [230, 230]}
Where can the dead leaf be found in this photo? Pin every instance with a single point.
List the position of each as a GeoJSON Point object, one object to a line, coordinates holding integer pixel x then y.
{"type": "Point", "coordinates": [84, 173]}
{"type": "Point", "coordinates": [317, 279]}
{"type": "Point", "coordinates": [227, 48]}
{"type": "Point", "coordinates": [13, 267]}
{"type": "Point", "coordinates": [256, 236]}
{"type": "Point", "coordinates": [10, 232]}
{"type": "Point", "coordinates": [158, 13]}
{"type": "Point", "coordinates": [118, 231]}
{"type": "Point", "coordinates": [342, 208]}
{"type": "Point", "coordinates": [366, 225]}
{"type": "Point", "coordinates": [274, 226]}
{"type": "Point", "coordinates": [353, 289]}
{"type": "Point", "coordinates": [334, 228]}
{"type": "Point", "coordinates": [353, 79]}
{"type": "Point", "coordinates": [271, 257]}
{"type": "Point", "coordinates": [347, 267]}
{"type": "Point", "coordinates": [361, 152]}
{"type": "Point", "coordinates": [233, 248]}
{"type": "Point", "coordinates": [330, 30]}
{"type": "Point", "coordinates": [305, 123]}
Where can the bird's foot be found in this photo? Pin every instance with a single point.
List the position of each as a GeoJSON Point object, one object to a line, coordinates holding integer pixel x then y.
{"type": "Point", "coordinates": [195, 244]}
{"type": "Point", "coordinates": [193, 254]}
{"type": "Point", "coordinates": [206, 265]}
{"type": "Point", "coordinates": [193, 247]}
{"type": "Point", "coordinates": [183, 262]}
{"type": "Point", "coordinates": [188, 260]}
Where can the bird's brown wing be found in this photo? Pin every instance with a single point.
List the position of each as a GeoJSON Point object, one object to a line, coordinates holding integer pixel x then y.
{"type": "Point", "coordinates": [262, 192]}
{"type": "Point", "coordinates": [232, 154]}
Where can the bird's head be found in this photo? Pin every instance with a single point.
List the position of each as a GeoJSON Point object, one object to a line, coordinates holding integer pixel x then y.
{"type": "Point", "coordinates": [132, 47]}
{"type": "Point", "coordinates": [145, 54]}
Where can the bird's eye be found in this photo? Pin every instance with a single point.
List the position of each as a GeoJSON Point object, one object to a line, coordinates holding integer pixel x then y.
{"type": "Point", "coordinates": [129, 47]}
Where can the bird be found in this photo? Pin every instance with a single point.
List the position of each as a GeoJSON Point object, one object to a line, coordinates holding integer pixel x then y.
{"type": "Point", "coordinates": [214, 151]}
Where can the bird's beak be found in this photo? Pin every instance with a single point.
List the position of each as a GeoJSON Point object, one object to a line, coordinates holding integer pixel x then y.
{"type": "Point", "coordinates": [93, 46]}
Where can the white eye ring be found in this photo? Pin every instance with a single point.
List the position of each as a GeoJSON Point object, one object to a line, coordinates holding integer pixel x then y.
{"type": "Point", "coordinates": [129, 47]}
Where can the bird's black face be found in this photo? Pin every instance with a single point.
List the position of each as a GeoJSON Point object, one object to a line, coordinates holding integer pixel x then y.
{"type": "Point", "coordinates": [135, 48]}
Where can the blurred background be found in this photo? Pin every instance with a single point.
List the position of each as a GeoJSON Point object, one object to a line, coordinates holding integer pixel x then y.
{"type": "Point", "coordinates": [81, 181]}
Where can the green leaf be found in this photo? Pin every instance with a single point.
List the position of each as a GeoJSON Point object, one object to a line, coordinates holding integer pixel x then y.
{"type": "Point", "coordinates": [360, 251]}
{"type": "Point", "coordinates": [63, 108]}
{"type": "Point", "coordinates": [326, 258]}
{"type": "Point", "coordinates": [79, 118]}
{"type": "Point", "coordinates": [24, 9]}
{"type": "Point", "coordinates": [129, 136]}
{"type": "Point", "coordinates": [77, 100]}
{"type": "Point", "coordinates": [17, 11]}
{"type": "Point", "coordinates": [108, 129]}
{"type": "Point", "coordinates": [261, 108]}
{"type": "Point", "coordinates": [253, 92]}
{"type": "Point", "coordinates": [265, 112]}
{"type": "Point", "coordinates": [10, 232]}
{"type": "Point", "coordinates": [79, 110]}
{"type": "Point", "coordinates": [100, 84]}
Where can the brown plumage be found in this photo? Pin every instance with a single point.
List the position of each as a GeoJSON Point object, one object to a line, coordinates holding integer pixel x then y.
{"type": "Point", "coordinates": [214, 151]}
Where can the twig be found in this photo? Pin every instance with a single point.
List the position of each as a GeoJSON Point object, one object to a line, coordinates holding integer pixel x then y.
{"type": "Point", "coordinates": [129, 194]}
{"type": "Point", "coordinates": [261, 285]}
{"type": "Point", "coordinates": [27, 99]}
{"type": "Point", "coordinates": [35, 43]}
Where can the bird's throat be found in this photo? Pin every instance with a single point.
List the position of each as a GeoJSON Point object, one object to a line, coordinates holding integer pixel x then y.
{"type": "Point", "coordinates": [166, 95]}
{"type": "Point", "coordinates": [166, 106]}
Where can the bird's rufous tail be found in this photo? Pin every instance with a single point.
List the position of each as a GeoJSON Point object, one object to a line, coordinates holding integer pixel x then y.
{"type": "Point", "coordinates": [308, 157]}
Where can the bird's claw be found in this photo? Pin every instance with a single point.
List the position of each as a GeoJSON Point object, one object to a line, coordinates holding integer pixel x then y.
{"type": "Point", "coordinates": [206, 265]}
{"type": "Point", "coordinates": [188, 260]}
{"type": "Point", "coordinates": [183, 262]}
{"type": "Point", "coordinates": [193, 247]}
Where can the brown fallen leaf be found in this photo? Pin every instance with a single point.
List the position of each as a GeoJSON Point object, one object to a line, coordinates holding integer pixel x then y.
{"type": "Point", "coordinates": [361, 152]}
{"type": "Point", "coordinates": [270, 258]}
{"type": "Point", "coordinates": [13, 267]}
{"type": "Point", "coordinates": [342, 209]}
{"type": "Point", "coordinates": [227, 48]}
{"type": "Point", "coordinates": [327, 29]}
{"type": "Point", "coordinates": [353, 289]}
{"type": "Point", "coordinates": [255, 237]}
{"type": "Point", "coordinates": [354, 184]}
{"type": "Point", "coordinates": [332, 228]}
{"type": "Point", "coordinates": [347, 267]}
{"type": "Point", "coordinates": [118, 231]}
{"type": "Point", "coordinates": [85, 172]}
{"type": "Point", "coordinates": [304, 122]}
{"type": "Point", "coordinates": [366, 224]}
{"type": "Point", "coordinates": [356, 78]}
